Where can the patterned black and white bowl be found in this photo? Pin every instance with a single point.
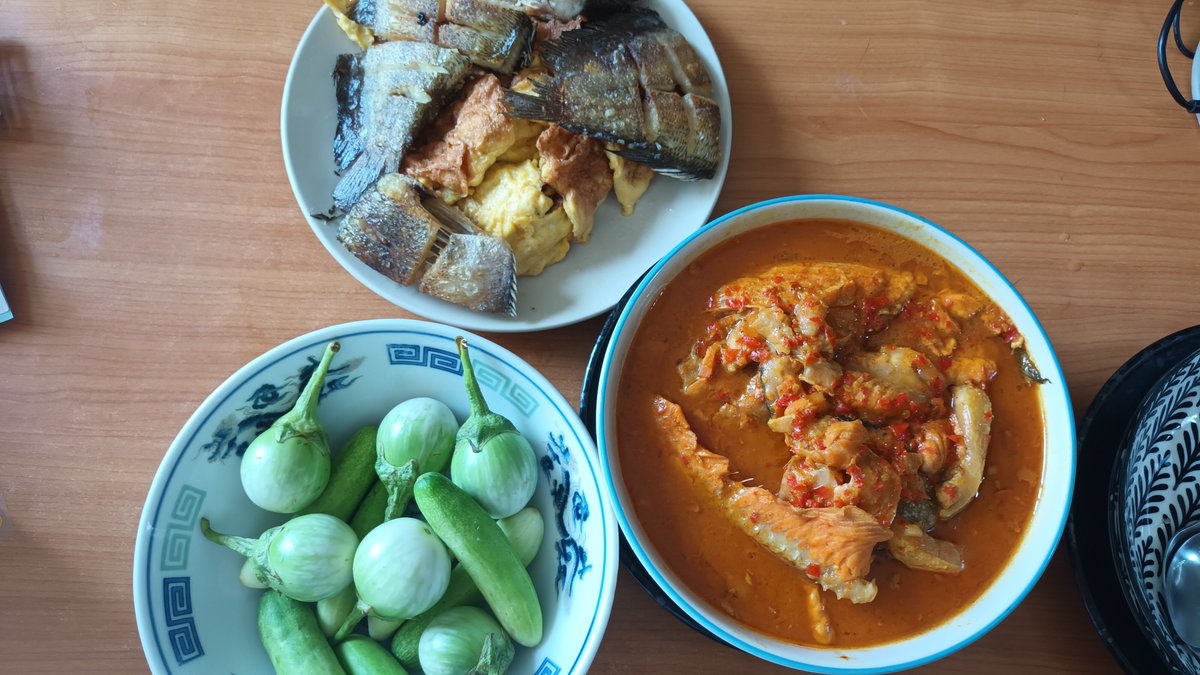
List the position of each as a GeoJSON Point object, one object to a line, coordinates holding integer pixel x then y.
{"type": "Point", "coordinates": [1155, 498]}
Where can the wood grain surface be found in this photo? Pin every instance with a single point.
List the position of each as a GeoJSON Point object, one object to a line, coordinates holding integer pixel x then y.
{"type": "Point", "coordinates": [150, 246]}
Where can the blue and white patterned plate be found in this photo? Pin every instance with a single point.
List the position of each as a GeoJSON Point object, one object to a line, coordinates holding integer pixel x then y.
{"type": "Point", "coordinates": [1157, 490]}
{"type": "Point", "coordinates": [194, 616]}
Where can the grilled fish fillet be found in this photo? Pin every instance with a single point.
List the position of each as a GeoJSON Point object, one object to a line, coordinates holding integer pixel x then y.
{"type": "Point", "coordinates": [476, 271]}
{"type": "Point", "coordinates": [630, 80]}
{"type": "Point", "coordinates": [832, 545]}
{"type": "Point", "coordinates": [492, 34]}
{"type": "Point", "coordinates": [385, 96]}
{"type": "Point", "coordinates": [389, 230]}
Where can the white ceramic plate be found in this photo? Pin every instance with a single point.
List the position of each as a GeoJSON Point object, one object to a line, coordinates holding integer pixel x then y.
{"type": "Point", "coordinates": [1058, 468]}
{"type": "Point", "coordinates": [589, 281]}
{"type": "Point", "coordinates": [193, 615]}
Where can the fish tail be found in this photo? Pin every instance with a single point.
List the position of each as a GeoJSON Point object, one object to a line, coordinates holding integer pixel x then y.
{"type": "Point", "coordinates": [544, 107]}
{"type": "Point", "coordinates": [652, 156]}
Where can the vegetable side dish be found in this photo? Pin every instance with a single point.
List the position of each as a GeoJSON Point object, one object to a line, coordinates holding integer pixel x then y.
{"type": "Point", "coordinates": [443, 588]}
{"type": "Point", "coordinates": [851, 411]}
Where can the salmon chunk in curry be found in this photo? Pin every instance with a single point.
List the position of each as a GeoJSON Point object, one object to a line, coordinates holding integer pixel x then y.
{"type": "Point", "coordinates": [827, 422]}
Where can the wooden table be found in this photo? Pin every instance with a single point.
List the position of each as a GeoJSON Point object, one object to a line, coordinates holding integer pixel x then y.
{"type": "Point", "coordinates": [150, 245]}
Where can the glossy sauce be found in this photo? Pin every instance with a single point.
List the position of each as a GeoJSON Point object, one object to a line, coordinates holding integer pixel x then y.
{"type": "Point", "coordinates": [728, 568]}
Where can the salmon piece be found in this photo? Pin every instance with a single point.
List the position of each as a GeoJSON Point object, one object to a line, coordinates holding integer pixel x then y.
{"type": "Point", "coordinates": [832, 545]}
{"type": "Point", "coordinates": [831, 284]}
{"type": "Point", "coordinates": [865, 481]}
{"type": "Point", "coordinates": [905, 370]}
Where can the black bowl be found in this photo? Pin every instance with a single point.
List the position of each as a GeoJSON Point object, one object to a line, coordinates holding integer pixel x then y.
{"type": "Point", "coordinates": [1090, 544]}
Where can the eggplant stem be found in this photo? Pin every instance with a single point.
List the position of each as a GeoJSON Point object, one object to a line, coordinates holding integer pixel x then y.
{"type": "Point", "coordinates": [497, 654]}
{"type": "Point", "coordinates": [242, 545]}
{"type": "Point", "coordinates": [474, 394]}
{"type": "Point", "coordinates": [483, 425]}
{"type": "Point", "coordinates": [352, 619]}
{"type": "Point", "coordinates": [301, 420]}
{"type": "Point", "coordinates": [399, 481]}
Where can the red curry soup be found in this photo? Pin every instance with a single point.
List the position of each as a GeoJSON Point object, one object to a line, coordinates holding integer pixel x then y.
{"type": "Point", "coordinates": [838, 441]}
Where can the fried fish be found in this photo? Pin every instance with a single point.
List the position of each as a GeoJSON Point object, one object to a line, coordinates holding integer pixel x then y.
{"type": "Point", "coordinates": [391, 231]}
{"type": "Point", "coordinates": [494, 35]}
{"type": "Point", "coordinates": [385, 96]}
{"type": "Point", "coordinates": [630, 80]}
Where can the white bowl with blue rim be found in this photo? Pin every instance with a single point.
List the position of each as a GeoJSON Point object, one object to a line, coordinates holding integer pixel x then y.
{"type": "Point", "coordinates": [193, 615]}
{"type": "Point", "coordinates": [1156, 484]}
{"type": "Point", "coordinates": [1041, 536]}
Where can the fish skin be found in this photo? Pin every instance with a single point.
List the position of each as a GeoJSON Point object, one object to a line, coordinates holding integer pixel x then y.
{"type": "Point", "coordinates": [475, 271]}
{"type": "Point", "coordinates": [389, 230]}
{"type": "Point", "coordinates": [348, 142]}
{"type": "Point", "coordinates": [972, 417]}
{"type": "Point", "coordinates": [686, 67]}
{"type": "Point", "coordinates": [594, 92]}
{"type": "Point", "coordinates": [413, 20]}
{"type": "Point", "coordinates": [494, 35]}
{"type": "Point", "coordinates": [630, 80]}
{"type": "Point", "coordinates": [838, 540]}
{"type": "Point", "coordinates": [403, 85]}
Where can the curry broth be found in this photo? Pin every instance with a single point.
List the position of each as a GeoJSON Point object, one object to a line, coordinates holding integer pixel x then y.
{"type": "Point", "coordinates": [725, 566]}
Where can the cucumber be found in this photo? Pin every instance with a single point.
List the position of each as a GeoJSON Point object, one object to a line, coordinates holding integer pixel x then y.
{"type": "Point", "coordinates": [483, 550]}
{"type": "Point", "coordinates": [293, 640]}
{"type": "Point", "coordinates": [407, 641]}
{"type": "Point", "coordinates": [523, 530]}
{"type": "Point", "coordinates": [360, 655]}
{"type": "Point", "coordinates": [369, 514]}
{"type": "Point", "coordinates": [350, 478]}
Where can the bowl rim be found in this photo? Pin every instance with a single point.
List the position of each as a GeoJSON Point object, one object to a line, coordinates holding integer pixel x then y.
{"type": "Point", "coordinates": [1136, 595]}
{"type": "Point", "coordinates": [172, 457]}
{"type": "Point", "coordinates": [1060, 388]}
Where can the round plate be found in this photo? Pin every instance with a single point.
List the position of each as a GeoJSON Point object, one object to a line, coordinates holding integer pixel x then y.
{"type": "Point", "coordinates": [587, 282]}
{"type": "Point", "coordinates": [1088, 540]}
{"type": "Point", "coordinates": [192, 614]}
{"type": "Point", "coordinates": [1040, 536]}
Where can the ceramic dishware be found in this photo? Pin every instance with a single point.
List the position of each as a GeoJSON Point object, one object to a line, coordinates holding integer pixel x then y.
{"type": "Point", "coordinates": [192, 614]}
{"type": "Point", "coordinates": [1090, 541]}
{"type": "Point", "coordinates": [1156, 482]}
{"type": "Point", "coordinates": [1041, 535]}
{"type": "Point", "coordinates": [592, 277]}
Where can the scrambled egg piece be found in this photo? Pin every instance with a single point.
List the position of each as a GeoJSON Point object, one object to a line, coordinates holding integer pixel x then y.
{"type": "Point", "coordinates": [497, 170]}
{"type": "Point", "coordinates": [358, 33]}
{"type": "Point", "coordinates": [576, 168]}
{"type": "Point", "coordinates": [510, 204]}
{"type": "Point", "coordinates": [630, 181]}
{"type": "Point", "coordinates": [465, 139]}
{"type": "Point", "coordinates": [525, 145]}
